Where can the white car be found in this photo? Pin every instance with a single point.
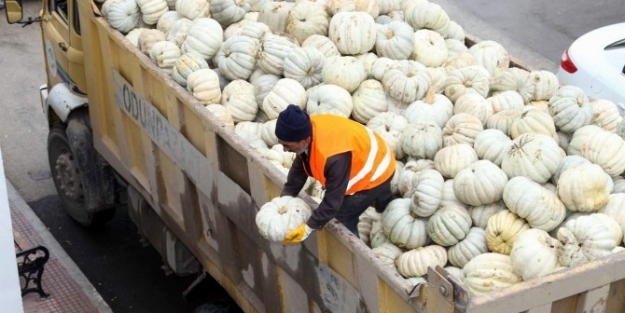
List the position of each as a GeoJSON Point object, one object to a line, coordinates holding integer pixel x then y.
{"type": "Point", "coordinates": [595, 62]}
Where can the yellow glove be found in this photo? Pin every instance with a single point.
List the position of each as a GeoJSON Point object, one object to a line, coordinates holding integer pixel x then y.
{"type": "Point", "coordinates": [297, 235]}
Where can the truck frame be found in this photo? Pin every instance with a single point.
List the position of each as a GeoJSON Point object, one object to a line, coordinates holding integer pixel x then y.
{"type": "Point", "coordinates": [120, 128]}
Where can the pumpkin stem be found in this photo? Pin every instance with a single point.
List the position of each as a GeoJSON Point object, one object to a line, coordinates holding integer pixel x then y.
{"type": "Point", "coordinates": [468, 83]}
{"type": "Point", "coordinates": [389, 34]}
{"type": "Point", "coordinates": [430, 95]}
{"type": "Point", "coordinates": [411, 74]}
{"type": "Point", "coordinates": [311, 70]}
{"type": "Point", "coordinates": [282, 209]}
{"type": "Point", "coordinates": [580, 101]}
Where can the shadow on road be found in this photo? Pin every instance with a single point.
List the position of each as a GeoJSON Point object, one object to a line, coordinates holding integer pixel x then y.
{"type": "Point", "coordinates": [126, 274]}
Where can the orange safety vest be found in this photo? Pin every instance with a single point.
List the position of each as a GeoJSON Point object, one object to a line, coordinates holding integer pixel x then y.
{"type": "Point", "coordinates": [373, 161]}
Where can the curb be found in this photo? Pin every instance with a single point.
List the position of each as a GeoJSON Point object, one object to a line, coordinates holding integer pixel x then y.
{"type": "Point", "coordinates": [55, 249]}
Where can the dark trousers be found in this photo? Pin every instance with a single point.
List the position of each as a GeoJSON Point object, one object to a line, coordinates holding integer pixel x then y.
{"type": "Point", "coordinates": [355, 204]}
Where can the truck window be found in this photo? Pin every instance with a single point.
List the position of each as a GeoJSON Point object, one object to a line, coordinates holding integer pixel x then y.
{"type": "Point", "coordinates": [60, 7]}
{"type": "Point", "coordinates": [76, 19]}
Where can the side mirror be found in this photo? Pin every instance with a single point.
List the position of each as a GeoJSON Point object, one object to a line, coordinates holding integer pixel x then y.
{"type": "Point", "coordinates": [13, 10]}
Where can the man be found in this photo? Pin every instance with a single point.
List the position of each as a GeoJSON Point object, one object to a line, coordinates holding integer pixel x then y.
{"type": "Point", "coordinates": [352, 163]}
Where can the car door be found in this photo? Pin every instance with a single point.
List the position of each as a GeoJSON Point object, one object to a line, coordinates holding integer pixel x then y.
{"type": "Point", "coordinates": [55, 31]}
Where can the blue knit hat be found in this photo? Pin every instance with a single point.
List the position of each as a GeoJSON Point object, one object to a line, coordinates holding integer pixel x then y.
{"type": "Point", "coordinates": [293, 124]}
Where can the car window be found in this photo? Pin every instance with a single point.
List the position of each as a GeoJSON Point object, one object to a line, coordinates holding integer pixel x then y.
{"type": "Point", "coordinates": [616, 45]}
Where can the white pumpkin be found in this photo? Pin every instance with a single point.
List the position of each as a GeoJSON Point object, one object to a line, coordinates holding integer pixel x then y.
{"type": "Point", "coordinates": [227, 12]}
{"type": "Point", "coordinates": [427, 15]}
{"type": "Point", "coordinates": [178, 31]}
{"type": "Point", "coordinates": [307, 19]}
{"type": "Point", "coordinates": [448, 225]}
{"type": "Point", "coordinates": [390, 127]}
{"type": "Point", "coordinates": [165, 54]}
{"type": "Point", "coordinates": [503, 120]}
{"type": "Point", "coordinates": [449, 195]}
{"type": "Point", "coordinates": [583, 240]}
{"type": "Point", "coordinates": [402, 226]}
{"type": "Point", "coordinates": [345, 71]}
{"type": "Point", "coordinates": [329, 99]}
{"type": "Point", "coordinates": [468, 79]}
{"type": "Point", "coordinates": [167, 20]}
{"type": "Point", "coordinates": [491, 55]}
{"type": "Point", "coordinates": [323, 44]}
{"type": "Point", "coordinates": [238, 98]}
{"type": "Point", "coordinates": [599, 146]}
{"type": "Point", "coordinates": [535, 156]}
{"type": "Point", "coordinates": [502, 229]}
{"type": "Point", "coordinates": [123, 15]}
{"type": "Point", "coordinates": [281, 215]}
{"type": "Point", "coordinates": [429, 48]}
{"type": "Point", "coordinates": [426, 192]}
{"type": "Point", "coordinates": [416, 262]}
{"type": "Point", "coordinates": [365, 222]}
{"type": "Point", "coordinates": [406, 85]}
{"type": "Point", "coordinates": [204, 86]}
{"type": "Point", "coordinates": [387, 253]}
{"type": "Point", "coordinates": [152, 10]}
{"type": "Point", "coordinates": [148, 38]}
{"type": "Point", "coordinates": [352, 32]}
{"type": "Point", "coordinates": [514, 79]}
{"type": "Point", "coordinates": [305, 65]}
{"type": "Point", "coordinates": [546, 84]}
{"type": "Point", "coordinates": [394, 40]}
{"type": "Point", "coordinates": [506, 100]}
{"type": "Point", "coordinates": [432, 108]}
{"type": "Point", "coordinates": [533, 121]}
{"type": "Point", "coordinates": [185, 65]}
{"type": "Point", "coordinates": [584, 195]}
{"type": "Point", "coordinates": [452, 159]}
{"type": "Point", "coordinates": [570, 108]}
{"type": "Point", "coordinates": [286, 91]}
{"type": "Point", "coordinates": [481, 183]}
{"type": "Point", "coordinates": [422, 139]}
{"type": "Point", "coordinates": [475, 105]}
{"type": "Point", "coordinates": [273, 50]}
{"type": "Point", "coordinates": [539, 206]}
{"type": "Point", "coordinates": [471, 246]}
{"type": "Point", "coordinates": [489, 271]}
{"type": "Point", "coordinates": [491, 144]}
{"type": "Point", "coordinates": [236, 58]}
{"type": "Point", "coordinates": [204, 37]}
{"type": "Point", "coordinates": [220, 112]}
{"type": "Point", "coordinates": [369, 101]}
{"type": "Point", "coordinates": [481, 214]}
{"type": "Point", "coordinates": [461, 128]}
{"type": "Point", "coordinates": [193, 9]}
{"type": "Point", "coordinates": [534, 254]}
{"type": "Point", "coordinates": [275, 14]}
{"type": "Point", "coordinates": [263, 85]}
{"type": "Point", "coordinates": [614, 209]}
{"type": "Point", "coordinates": [605, 114]}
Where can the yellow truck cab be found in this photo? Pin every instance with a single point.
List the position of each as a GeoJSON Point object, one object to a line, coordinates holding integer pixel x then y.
{"type": "Point", "coordinates": [90, 198]}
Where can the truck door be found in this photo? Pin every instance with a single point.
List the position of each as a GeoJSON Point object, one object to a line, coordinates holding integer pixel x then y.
{"type": "Point", "coordinates": [62, 44]}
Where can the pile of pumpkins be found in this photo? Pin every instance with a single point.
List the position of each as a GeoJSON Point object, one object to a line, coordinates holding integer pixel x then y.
{"type": "Point", "coordinates": [504, 175]}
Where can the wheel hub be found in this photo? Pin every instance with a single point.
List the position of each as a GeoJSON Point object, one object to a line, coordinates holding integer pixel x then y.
{"type": "Point", "coordinates": [68, 176]}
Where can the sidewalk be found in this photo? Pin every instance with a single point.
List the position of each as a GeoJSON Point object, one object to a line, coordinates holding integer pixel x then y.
{"type": "Point", "coordinates": [70, 291]}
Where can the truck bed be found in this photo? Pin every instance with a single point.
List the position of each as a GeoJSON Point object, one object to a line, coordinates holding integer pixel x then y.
{"type": "Point", "coordinates": [206, 185]}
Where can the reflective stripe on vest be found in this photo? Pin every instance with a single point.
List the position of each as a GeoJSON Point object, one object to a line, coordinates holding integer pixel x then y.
{"type": "Point", "coordinates": [366, 169]}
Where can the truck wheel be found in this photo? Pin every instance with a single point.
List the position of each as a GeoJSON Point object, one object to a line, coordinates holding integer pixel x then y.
{"type": "Point", "coordinates": [68, 180]}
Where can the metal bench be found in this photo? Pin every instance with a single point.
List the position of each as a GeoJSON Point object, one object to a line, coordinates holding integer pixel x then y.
{"type": "Point", "coordinates": [30, 266]}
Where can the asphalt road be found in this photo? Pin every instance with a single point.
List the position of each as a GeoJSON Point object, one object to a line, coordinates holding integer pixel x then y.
{"type": "Point", "coordinates": [127, 275]}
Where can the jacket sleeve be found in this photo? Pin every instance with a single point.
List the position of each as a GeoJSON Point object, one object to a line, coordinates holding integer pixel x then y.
{"type": "Point", "coordinates": [295, 179]}
{"type": "Point", "coordinates": [336, 171]}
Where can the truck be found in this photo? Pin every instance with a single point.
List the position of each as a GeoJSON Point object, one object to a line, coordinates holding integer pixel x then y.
{"type": "Point", "coordinates": [121, 130]}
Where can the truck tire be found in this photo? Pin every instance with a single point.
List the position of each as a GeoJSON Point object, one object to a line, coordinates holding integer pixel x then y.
{"type": "Point", "coordinates": [68, 176]}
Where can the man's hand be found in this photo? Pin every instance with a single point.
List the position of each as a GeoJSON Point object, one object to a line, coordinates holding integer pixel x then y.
{"type": "Point", "coordinates": [297, 235]}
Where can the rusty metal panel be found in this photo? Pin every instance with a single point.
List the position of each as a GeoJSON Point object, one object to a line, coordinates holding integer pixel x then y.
{"type": "Point", "coordinates": [594, 300]}
{"type": "Point", "coordinates": [616, 298]}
